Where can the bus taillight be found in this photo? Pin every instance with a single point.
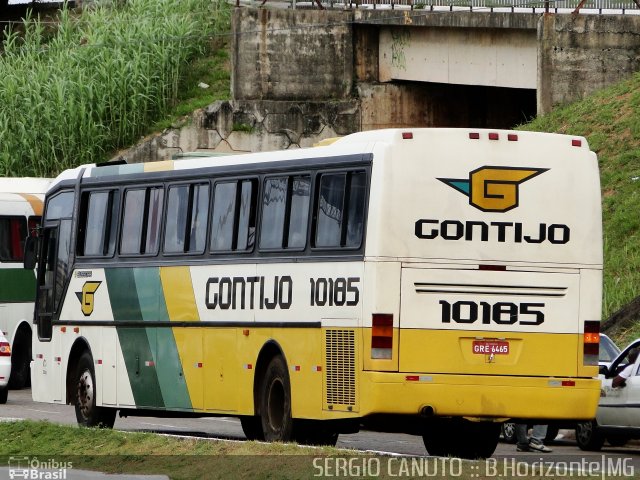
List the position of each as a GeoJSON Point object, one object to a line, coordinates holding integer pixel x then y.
{"type": "Point", "coordinates": [5, 349]}
{"type": "Point", "coordinates": [591, 342]}
{"type": "Point", "coordinates": [381, 335]}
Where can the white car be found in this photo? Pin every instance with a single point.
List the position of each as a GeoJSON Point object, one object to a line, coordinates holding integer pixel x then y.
{"type": "Point", "coordinates": [618, 417]}
{"type": "Point", "coordinates": [5, 367]}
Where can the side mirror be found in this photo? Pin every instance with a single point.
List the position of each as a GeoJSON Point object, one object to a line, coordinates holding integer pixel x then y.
{"type": "Point", "coordinates": [603, 370]}
{"type": "Point", "coordinates": [31, 253]}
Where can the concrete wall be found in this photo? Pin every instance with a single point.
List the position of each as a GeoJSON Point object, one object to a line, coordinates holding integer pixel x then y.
{"type": "Point", "coordinates": [305, 75]}
{"type": "Point", "coordinates": [291, 54]}
{"type": "Point", "coordinates": [579, 54]}
{"type": "Point", "coordinates": [250, 126]}
{"type": "Point", "coordinates": [463, 56]}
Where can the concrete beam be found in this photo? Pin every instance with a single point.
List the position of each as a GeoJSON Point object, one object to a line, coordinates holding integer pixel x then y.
{"type": "Point", "coordinates": [426, 18]}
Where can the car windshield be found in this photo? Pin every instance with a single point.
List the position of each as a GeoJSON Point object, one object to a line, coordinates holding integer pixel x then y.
{"type": "Point", "coordinates": [608, 349]}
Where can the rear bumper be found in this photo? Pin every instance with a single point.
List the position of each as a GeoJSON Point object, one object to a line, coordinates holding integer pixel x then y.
{"type": "Point", "coordinates": [480, 396]}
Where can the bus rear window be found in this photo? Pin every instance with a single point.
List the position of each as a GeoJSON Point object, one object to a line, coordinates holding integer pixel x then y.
{"type": "Point", "coordinates": [13, 232]}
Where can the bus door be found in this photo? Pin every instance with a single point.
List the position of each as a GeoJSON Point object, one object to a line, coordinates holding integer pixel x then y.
{"type": "Point", "coordinates": [53, 273]}
{"type": "Point", "coordinates": [54, 266]}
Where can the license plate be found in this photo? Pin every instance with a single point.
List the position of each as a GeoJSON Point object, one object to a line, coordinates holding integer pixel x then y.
{"type": "Point", "coordinates": [484, 347]}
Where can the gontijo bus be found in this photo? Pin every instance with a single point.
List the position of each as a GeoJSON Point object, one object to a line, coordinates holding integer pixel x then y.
{"type": "Point", "coordinates": [21, 204]}
{"type": "Point", "coordinates": [437, 281]}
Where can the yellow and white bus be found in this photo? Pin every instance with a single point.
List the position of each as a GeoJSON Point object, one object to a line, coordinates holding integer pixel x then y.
{"type": "Point", "coordinates": [436, 281]}
{"type": "Point", "coordinates": [21, 203]}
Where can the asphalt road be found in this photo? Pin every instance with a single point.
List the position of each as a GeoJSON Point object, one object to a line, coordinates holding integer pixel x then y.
{"type": "Point", "coordinates": [21, 406]}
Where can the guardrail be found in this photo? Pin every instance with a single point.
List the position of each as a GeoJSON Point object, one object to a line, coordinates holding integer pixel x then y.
{"type": "Point", "coordinates": [535, 6]}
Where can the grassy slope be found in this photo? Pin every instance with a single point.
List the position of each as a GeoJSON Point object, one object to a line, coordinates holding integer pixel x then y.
{"type": "Point", "coordinates": [212, 69]}
{"type": "Point", "coordinates": [127, 452]}
{"type": "Point", "coordinates": [610, 119]}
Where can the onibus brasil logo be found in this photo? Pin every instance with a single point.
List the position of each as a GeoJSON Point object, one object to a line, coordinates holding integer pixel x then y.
{"type": "Point", "coordinates": [493, 189]}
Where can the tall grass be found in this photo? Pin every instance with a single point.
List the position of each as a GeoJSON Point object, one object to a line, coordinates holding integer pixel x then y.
{"type": "Point", "coordinates": [610, 119]}
{"type": "Point", "coordinates": [94, 84]}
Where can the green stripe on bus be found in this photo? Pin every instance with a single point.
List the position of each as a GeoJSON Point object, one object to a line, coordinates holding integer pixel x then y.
{"type": "Point", "coordinates": [136, 343]}
{"type": "Point", "coordinates": [153, 308]}
{"type": "Point", "coordinates": [17, 285]}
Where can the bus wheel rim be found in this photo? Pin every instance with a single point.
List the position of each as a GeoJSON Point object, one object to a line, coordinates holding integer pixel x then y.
{"type": "Point", "coordinates": [85, 393]}
{"type": "Point", "coordinates": [276, 405]}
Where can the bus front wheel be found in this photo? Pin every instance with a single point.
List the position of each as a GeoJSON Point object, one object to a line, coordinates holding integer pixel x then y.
{"type": "Point", "coordinates": [88, 414]}
{"type": "Point", "coordinates": [275, 402]}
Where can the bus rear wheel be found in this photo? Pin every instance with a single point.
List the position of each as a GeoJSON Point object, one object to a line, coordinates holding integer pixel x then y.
{"type": "Point", "coordinates": [275, 402]}
{"type": "Point", "coordinates": [88, 414]}
{"type": "Point", "coordinates": [314, 432]}
{"type": "Point", "coordinates": [4, 395]}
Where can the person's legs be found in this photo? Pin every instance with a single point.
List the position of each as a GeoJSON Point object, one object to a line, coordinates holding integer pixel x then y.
{"type": "Point", "coordinates": [537, 439]}
{"type": "Point", "coordinates": [539, 432]}
{"type": "Point", "coordinates": [521, 437]}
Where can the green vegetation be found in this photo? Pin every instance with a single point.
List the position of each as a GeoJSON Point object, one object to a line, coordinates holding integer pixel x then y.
{"type": "Point", "coordinates": [100, 79]}
{"type": "Point", "coordinates": [212, 70]}
{"type": "Point", "coordinates": [136, 453]}
{"type": "Point", "coordinates": [610, 120]}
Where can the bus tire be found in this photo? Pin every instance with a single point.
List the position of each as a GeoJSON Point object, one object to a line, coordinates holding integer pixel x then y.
{"type": "Point", "coordinates": [481, 439]}
{"type": "Point", "coordinates": [275, 402]}
{"type": "Point", "coordinates": [252, 427]}
{"type": "Point", "coordinates": [87, 413]}
{"type": "Point", "coordinates": [315, 432]}
{"type": "Point", "coordinates": [20, 360]}
{"type": "Point", "coordinates": [438, 437]}
{"type": "Point", "coordinates": [4, 395]}
{"type": "Point", "coordinates": [587, 436]}
{"type": "Point", "coordinates": [461, 438]}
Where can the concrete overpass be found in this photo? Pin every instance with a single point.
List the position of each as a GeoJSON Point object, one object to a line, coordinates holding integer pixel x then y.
{"type": "Point", "coordinates": [299, 76]}
{"type": "Point", "coordinates": [431, 68]}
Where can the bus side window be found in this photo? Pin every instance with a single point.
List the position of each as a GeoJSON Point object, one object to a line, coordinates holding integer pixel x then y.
{"type": "Point", "coordinates": [13, 232]}
{"type": "Point", "coordinates": [186, 220]}
{"type": "Point", "coordinates": [141, 221]}
{"type": "Point", "coordinates": [285, 212]}
{"type": "Point", "coordinates": [340, 210]}
{"type": "Point", "coordinates": [233, 220]}
{"type": "Point", "coordinates": [355, 212]}
{"type": "Point", "coordinates": [97, 226]}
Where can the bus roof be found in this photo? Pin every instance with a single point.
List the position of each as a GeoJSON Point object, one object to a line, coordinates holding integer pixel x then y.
{"type": "Point", "coordinates": [356, 143]}
{"type": "Point", "coordinates": [24, 185]}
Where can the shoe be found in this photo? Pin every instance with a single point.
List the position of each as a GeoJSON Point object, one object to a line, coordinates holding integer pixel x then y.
{"type": "Point", "coordinates": [522, 448]}
{"type": "Point", "coordinates": [538, 446]}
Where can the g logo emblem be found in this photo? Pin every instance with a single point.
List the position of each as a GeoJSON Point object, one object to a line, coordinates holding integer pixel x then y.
{"type": "Point", "coordinates": [493, 189]}
{"type": "Point", "coordinates": [86, 297]}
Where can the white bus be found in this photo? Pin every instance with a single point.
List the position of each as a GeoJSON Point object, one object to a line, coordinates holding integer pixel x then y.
{"type": "Point", "coordinates": [21, 203]}
{"type": "Point", "coordinates": [433, 281]}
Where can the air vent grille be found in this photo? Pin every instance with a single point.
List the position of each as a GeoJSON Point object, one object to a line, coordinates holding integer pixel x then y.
{"type": "Point", "coordinates": [340, 367]}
